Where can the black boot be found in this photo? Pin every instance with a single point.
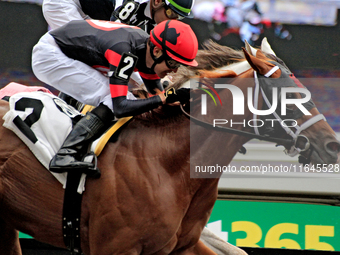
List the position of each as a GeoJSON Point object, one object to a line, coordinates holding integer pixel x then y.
{"type": "Point", "coordinates": [71, 154]}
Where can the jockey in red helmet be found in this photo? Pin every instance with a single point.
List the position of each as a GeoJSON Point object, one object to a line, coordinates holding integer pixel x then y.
{"type": "Point", "coordinates": [177, 41]}
{"type": "Point", "coordinates": [79, 47]}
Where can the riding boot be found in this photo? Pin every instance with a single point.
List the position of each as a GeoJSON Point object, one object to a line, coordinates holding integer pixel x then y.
{"type": "Point", "coordinates": [71, 154]}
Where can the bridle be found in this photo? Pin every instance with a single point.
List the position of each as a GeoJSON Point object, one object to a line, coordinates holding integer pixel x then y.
{"type": "Point", "coordinates": [296, 136]}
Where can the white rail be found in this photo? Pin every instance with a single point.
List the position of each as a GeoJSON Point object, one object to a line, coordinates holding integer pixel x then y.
{"type": "Point", "coordinates": [276, 173]}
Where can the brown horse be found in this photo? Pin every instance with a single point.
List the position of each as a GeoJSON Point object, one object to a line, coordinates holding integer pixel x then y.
{"type": "Point", "coordinates": [145, 201]}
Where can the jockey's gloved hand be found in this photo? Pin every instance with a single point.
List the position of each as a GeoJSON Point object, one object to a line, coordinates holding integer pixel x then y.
{"type": "Point", "coordinates": [171, 96]}
{"type": "Point", "coordinates": [182, 95]}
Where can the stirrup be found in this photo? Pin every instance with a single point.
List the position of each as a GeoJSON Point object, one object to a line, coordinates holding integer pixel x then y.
{"type": "Point", "coordinates": [71, 165]}
{"type": "Point", "coordinates": [94, 171]}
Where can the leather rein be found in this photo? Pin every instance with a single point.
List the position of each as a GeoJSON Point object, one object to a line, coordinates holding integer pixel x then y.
{"type": "Point", "coordinates": [278, 141]}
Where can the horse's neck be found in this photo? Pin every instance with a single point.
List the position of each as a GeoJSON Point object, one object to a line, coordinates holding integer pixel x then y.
{"type": "Point", "coordinates": [216, 148]}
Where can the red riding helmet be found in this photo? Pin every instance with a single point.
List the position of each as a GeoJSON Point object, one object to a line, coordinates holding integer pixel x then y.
{"type": "Point", "coordinates": [177, 40]}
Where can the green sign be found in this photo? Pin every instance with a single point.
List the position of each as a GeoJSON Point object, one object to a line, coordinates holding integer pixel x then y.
{"type": "Point", "coordinates": [277, 225]}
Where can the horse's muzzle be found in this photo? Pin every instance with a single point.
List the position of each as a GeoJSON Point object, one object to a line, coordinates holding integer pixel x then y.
{"type": "Point", "coordinates": [333, 149]}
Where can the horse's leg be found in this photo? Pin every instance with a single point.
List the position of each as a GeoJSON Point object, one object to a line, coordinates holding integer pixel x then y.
{"type": "Point", "coordinates": [210, 244]}
{"type": "Point", "coordinates": [198, 249]}
{"type": "Point", "coordinates": [201, 249]}
{"type": "Point", "coordinates": [9, 239]}
{"type": "Point", "coordinates": [218, 245]}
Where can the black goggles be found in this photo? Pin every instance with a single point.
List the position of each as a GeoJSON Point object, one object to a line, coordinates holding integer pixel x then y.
{"type": "Point", "coordinates": [172, 64]}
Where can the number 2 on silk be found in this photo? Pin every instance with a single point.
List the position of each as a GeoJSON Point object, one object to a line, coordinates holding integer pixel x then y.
{"type": "Point", "coordinates": [126, 66]}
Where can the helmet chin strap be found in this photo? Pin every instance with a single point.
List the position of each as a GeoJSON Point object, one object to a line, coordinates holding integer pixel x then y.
{"type": "Point", "coordinates": [155, 60]}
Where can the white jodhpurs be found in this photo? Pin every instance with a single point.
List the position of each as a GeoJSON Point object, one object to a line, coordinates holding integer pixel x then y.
{"type": "Point", "coordinates": [75, 78]}
{"type": "Point", "coordinates": [60, 12]}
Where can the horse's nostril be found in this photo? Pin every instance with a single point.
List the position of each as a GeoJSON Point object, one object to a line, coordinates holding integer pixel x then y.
{"type": "Point", "coordinates": [333, 146]}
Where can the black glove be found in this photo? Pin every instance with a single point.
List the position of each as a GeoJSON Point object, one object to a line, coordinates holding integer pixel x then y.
{"type": "Point", "coordinates": [181, 95]}
{"type": "Point", "coordinates": [171, 96]}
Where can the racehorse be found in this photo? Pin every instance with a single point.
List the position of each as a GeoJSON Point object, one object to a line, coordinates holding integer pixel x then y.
{"type": "Point", "coordinates": [145, 201]}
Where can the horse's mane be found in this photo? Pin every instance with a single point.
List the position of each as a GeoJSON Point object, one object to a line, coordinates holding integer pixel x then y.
{"type": "Point", "coordinates": [209, 58]}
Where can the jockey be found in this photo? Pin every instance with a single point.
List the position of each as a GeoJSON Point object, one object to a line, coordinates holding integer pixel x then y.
{"type": "Point", "coordinates": [145, 13]}
{"type": "Point", "coordinates": [71, 58]}
{"type": "Point", "coordinates": [131, 12]}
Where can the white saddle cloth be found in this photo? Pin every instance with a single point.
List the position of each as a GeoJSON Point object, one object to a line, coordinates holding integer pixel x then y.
{"type": "Point", "coordinates": [49, 118]}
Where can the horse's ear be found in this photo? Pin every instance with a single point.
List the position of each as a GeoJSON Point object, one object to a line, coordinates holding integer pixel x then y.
{"type": "Point", "coordinates": [254, 52]}
{"type": "Point", "coordinates": [265, 47]}
{"type": "Point", "coordinates": [259, 65]}
{"type": "Point", "coordinates": [260, 55]}
{"type": "Point", "coordinates": [251, 50]}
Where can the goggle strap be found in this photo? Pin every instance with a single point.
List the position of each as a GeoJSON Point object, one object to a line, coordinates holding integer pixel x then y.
{"type": "Point", "coordinates": [156, 60]}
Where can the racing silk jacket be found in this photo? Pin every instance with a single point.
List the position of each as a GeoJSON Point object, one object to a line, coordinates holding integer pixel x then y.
{"type": "Point", "coordinates": [117, 48]}
{"type": "Point", "coordinates": [131, 12]}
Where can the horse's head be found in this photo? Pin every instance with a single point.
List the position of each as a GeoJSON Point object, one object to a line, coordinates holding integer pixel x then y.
{"type": "Point", "coordinates": [295, 117]}
{"type": "Point", "coordinates": [295, 112]}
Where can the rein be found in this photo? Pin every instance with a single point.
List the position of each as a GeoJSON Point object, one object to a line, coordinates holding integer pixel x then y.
{"type": "Point", "coordinates": [278, 141]}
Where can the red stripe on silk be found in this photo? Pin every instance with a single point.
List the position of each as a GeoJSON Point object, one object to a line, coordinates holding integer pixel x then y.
{"type": "Point", "coordinates": [118, 90]}
{"type": "Point", "coordinates": [108, 25]}
{"type": "Point", "coordinates": [149, 76]}
{"type": "Point", "coordinates": [101, 67]}
{"type": "Point", "coordinates": [112, 57]}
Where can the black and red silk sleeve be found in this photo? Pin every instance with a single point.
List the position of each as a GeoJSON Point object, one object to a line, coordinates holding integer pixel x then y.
{"type": "Point", "coordinates": [123, 107]}
{"type": "Point", "coordinates": [118, 87]}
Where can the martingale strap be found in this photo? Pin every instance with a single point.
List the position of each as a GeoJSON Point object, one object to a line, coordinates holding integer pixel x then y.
{"type": "Point", "coordinates": [71, 213]}
{"type": "Point", "coordinates": [72, 199]}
